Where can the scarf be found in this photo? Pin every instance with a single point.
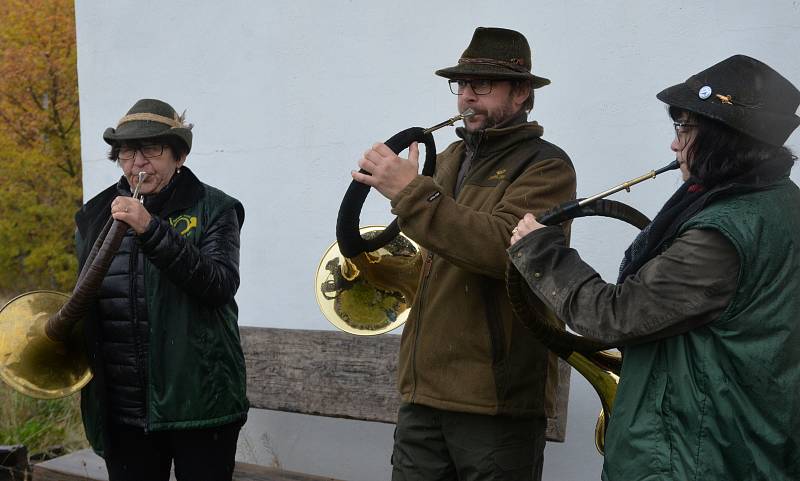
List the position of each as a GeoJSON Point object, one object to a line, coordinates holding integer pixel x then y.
{"type": "Point", "coordinates": [688, 200]}
{"type": "Point", "coordinates": [684, 203]}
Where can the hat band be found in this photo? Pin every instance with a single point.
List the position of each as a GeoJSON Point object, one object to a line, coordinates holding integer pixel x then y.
{"type": "Point", "coordinates": [175, 123]}
{"type": "Point", "coordinates": [517, 67]}
{"type": "Point", "coordinates": [696, 85]}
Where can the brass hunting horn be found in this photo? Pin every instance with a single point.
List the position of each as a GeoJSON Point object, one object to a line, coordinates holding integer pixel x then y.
{"type": "Point", "coordinates": [367, 279]}
{"type": "Point", "coordinates": [589, 357]}
{"type": "Point", "coordinates": [41, 350]}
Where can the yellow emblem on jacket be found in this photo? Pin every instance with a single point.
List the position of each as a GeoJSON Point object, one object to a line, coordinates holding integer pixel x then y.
{"type": "Point", "coordinates": [189, 220]}
{"type": "Point", "coordinates": [499, 175]}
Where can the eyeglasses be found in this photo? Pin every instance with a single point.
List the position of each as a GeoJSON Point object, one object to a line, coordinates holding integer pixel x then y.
{"type": "Point", "coordinates": [149, 151]}
{"type": "Point", "coordinates": [479, 86]}
{"type": "Point", "coordinates": [683, 127]}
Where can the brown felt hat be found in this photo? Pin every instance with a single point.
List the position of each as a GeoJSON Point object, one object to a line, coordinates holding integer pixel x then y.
{"type": "Point", "coordinates": [147, 119]}
{"type": "Point", "coordinates": [495, 53]}
{"type": "Point", "coordinates": [742, 93]}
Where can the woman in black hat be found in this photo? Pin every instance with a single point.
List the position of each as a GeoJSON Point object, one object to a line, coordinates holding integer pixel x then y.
{"type": "Point", "coordinates": [163, 340]}
{"type": "Point", "coordinates": [706, 303]}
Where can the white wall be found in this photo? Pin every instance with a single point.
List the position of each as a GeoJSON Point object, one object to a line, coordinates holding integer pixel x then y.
{"type": "Point", "coordinates": [286, 95]}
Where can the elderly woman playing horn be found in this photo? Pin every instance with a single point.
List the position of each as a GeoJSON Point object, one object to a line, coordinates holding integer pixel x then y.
{"type": "Point", "coordinates": [162, 336]}
{"type": "Point", "coordinates": [706, 303]}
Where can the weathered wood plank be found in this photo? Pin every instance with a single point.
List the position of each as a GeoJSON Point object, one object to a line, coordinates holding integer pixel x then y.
{"type": "Point", "coordinates": [81, 465]}
{"type": "Point", "coordinates": [325, 373]}
{"type": "Point", "coordinates": [84, 465]}
{"type": "Point", "coordinates": [334, 374]}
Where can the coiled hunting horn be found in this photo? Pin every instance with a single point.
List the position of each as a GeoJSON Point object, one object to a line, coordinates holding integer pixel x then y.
{"type": "Point", "coordinates": [367, 279]}
{"type": "Point", "coordinates": [589, 357]}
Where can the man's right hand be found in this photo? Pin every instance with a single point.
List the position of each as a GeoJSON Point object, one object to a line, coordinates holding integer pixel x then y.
{"type": "Point", "coordinates": [390, 172]}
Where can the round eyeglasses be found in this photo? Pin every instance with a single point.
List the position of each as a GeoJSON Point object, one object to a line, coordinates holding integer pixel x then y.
{"type": "Point", "coordinates": [479, 86]}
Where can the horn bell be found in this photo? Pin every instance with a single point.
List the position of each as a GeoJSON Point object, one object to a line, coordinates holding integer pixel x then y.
{"type": "Point", "coordinates": [372, 292]}
{"type": "Point", "coordinates": [30, 361]}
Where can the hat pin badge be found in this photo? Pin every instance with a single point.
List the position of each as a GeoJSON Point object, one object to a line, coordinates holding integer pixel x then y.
{"type": "Point", "coordinates": [705, 92]}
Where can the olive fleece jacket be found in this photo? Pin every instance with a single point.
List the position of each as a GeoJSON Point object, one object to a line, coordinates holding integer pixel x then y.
{"type": "Point", "coordinates": [462, 349]}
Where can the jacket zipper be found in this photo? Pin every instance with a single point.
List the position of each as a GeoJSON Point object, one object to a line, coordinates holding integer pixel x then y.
{"type": "Point", "coordinates": [494, 323]}
{"type": "Point", "coordinates": [134, 298]}
{"type": "Point", "coordinates": [146, 385]}
{"type": "Point", "coordinates": [426, 269]}
{"type": "Point", "coordinates": [149, 343]}
{"type": "Point", "coordinates": [471, 169]}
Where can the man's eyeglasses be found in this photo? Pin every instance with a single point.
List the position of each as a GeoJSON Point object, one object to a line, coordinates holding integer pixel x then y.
{"type": "Point", "coordinates": [479, 86]}
{"type": "Point", "coordinates": [149, 151]}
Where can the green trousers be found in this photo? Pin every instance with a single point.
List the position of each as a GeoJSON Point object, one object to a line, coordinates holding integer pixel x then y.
{"type": "Point", "coordinates": [435, 445]}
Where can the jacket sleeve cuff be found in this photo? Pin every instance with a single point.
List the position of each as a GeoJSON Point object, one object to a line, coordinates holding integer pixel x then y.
{"type": "Point", "coordinates": [147, 235]}
{"type": "Point", "coordinates": [550, 268]}
{"type": "Point", "coordinates": [421, 187]}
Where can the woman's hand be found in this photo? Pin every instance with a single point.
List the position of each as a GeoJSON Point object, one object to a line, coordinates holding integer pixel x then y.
{"type": "Point", "coordinates": [525, 226]}
{"type": "Point", "coordinates": [131, 212]}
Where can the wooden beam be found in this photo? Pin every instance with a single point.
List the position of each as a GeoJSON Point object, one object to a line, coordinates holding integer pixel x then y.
{"type": "Point", "coordinates": [333, 374]}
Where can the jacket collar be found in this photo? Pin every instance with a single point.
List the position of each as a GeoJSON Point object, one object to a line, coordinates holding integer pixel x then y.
{"type": "Point", "coordinates": [184, 191]}
{"type": "Point", "coordinates": [503, 136]}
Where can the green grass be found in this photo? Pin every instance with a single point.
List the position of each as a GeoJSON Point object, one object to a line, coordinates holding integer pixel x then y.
{"type": "Point", "coordinates": [40, 425]}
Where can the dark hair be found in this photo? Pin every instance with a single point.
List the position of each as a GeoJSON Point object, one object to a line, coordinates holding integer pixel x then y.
{"type": "Point", "coordinates": [517, 84]}
{"type": "Point", "coordinates": [720, 154]}
{"type": "Point", "coordinates": [178, 147]}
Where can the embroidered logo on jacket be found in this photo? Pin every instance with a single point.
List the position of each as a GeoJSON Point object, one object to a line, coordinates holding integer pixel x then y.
{"type": "Point", "coordinates": [499, 175]}
{"type": "Point", "coordinates": [184, 224]}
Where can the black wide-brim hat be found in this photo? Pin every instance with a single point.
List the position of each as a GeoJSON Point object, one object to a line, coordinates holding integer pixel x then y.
{"type": "Point", "coordinates": [495, 53]}
{"type": "Point", "coordinates": [742, 93]}
{"type": "Point", "coordinates": [148, 119]}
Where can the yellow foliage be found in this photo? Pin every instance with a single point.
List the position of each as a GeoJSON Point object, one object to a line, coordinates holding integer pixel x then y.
{"type": "Point", "coordinates": [40, 169]}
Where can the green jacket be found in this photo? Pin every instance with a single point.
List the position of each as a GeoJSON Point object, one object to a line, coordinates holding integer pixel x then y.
{"type": "Point", "coordinates": [461, 348]}
{"type": "Point", "coordinates": [196, 371]}
{"type": "Point", "coordinates": [722, 401]}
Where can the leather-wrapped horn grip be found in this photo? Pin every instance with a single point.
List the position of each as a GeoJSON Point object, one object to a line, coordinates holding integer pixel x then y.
{"type": "Point", "coordinates": [347, 222]}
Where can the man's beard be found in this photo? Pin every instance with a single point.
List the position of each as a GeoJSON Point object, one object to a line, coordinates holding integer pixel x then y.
{"type": "Point", "coordinates": [500, 115]}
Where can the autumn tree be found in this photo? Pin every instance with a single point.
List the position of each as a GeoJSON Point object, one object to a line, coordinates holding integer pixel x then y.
{"type": "Point", "coordinates": [40, 168]}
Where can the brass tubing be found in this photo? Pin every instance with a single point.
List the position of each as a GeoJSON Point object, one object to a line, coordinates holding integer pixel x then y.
{"type": "Point", "coordinates": [628, 184]}
{"type": "Point", "coordinates": [450, 121]}
{"type": "Point", "coordinates": [604, 382]}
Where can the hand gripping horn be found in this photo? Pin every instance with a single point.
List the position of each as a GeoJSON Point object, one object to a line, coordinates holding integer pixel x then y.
{"type": "Point", "coordinates": [41, 352]}
{"type": "Point", "coordinates": [351, 243]}
{"type": "Point", "coordinates": [586, 355]}
{"type": "Point", "coordinates": [365, 283]}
